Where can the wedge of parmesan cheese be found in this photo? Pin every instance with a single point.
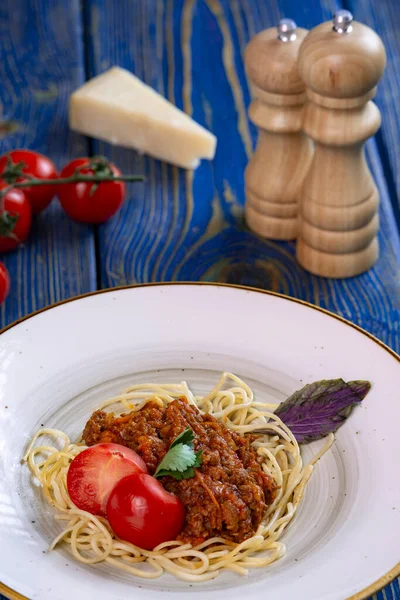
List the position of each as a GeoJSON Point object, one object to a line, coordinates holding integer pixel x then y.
{"type": "Point", "coordinates": [119, 108]}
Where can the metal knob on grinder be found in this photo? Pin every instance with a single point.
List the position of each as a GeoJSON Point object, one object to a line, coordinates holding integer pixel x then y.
{"type": "Point", "coordinates": [287, 30]}
{"type": "Point", "coordinates": [342, 21]}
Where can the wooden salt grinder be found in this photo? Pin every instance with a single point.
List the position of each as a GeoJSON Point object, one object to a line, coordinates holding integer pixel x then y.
{"type": "Point", "coordinates": [340, 66]}
{"type": "Point", "coordinates": [276, 171]}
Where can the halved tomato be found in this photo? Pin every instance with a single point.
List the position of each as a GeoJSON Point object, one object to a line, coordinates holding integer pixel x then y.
{"type": "Point", "coordinates": [142, 512]}
{"type": "Point", "coordinates": [94, 472]}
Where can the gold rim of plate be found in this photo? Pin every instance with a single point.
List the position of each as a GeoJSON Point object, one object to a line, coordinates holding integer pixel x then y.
{"type": "Point", "coordinates": [362, 594]}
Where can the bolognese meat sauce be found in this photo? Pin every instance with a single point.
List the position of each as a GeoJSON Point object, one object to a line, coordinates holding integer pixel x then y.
{"type": "Point", "coordinates": [230, 491]}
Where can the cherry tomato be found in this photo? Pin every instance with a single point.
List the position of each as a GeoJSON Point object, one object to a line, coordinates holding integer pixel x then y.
{"type": "Point", "coordinates": [15, 218]}
{"type": "Point", "coordinates": [4, 283]}
{"type": "Point", "coordinates": [38, 166]}
{"type": "Point", "coordinates": [91, 202]}
{"type": "Point", "coordinates": [142, 512]}
{"type": "Point", "coordinates": [94, 472]}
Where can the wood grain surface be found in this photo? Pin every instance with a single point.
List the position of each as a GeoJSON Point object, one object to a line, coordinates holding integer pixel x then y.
{"type": "Point", "coordinates": [178, 225]}
{"type": "Point", "coordinates": [41, 63]}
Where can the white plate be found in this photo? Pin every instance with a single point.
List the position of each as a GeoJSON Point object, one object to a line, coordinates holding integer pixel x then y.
{"type": "Point", "coordinates": [56, 367]}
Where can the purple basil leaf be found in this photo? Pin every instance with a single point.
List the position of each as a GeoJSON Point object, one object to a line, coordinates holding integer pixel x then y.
{"type": "Point", "coordinates": [360, 387]}
{"type": "Point", "coordinates": [321, 407]}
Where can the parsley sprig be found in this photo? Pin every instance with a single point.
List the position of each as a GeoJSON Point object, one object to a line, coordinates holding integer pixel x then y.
{"type": "Point", "coordinates": [181, 459]}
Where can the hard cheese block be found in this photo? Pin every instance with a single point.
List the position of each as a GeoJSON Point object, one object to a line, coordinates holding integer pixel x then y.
{"type": "Point", "coordinates": [119, 108]}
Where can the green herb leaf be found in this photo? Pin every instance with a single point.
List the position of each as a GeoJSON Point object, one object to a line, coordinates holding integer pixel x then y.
{"type": "Point", "coordinates": [188, 473]}
{"type": "Point", "coordinates": [199, 459]}
{"type": "Point", "coordinates": [178, 458]}
{"type": "Point", "coordinates": [181, 459]}
{"type": "Point", "coordinates": [186, 437]}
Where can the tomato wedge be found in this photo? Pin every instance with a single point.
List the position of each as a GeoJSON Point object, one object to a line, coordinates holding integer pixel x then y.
{"type": "Point", "coordinates": [94, 472]}
{"type": "Point", "coordinates": [142, 512]}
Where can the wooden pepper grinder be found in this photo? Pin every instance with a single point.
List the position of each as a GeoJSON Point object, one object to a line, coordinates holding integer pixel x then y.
{"type": "Point", "coordinates": [276, 171]}
{"type": "Point", "coordinates": [340, 66]}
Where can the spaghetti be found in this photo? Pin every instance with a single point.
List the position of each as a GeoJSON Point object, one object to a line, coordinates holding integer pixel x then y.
{"type": "Point", "coordinates": [90, 538]}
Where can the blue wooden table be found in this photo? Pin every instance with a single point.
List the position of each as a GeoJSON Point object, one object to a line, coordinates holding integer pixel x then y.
{"type": "Point", "coordinates": [175, 226]}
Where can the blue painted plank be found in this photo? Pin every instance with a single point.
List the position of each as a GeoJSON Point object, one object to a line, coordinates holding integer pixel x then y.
{"type": "Point", "coordinates": [384, 17]}
{"type": "Point", "coordinates": [41, 63]}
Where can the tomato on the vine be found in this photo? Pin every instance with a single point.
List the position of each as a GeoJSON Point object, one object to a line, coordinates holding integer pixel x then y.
{"type": "Point", "coordinates": [16, 163]}
{"type": "Point", "coordinates": [89, 202]}
{"type": "Point", "coordinates": [94, 472]}
{"type": "Point", "coordinates": [15, 218]}
{"type": "Point", "coordinates": [142, 512]}
{"type": "Point", "coordinates": [4, 283]}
